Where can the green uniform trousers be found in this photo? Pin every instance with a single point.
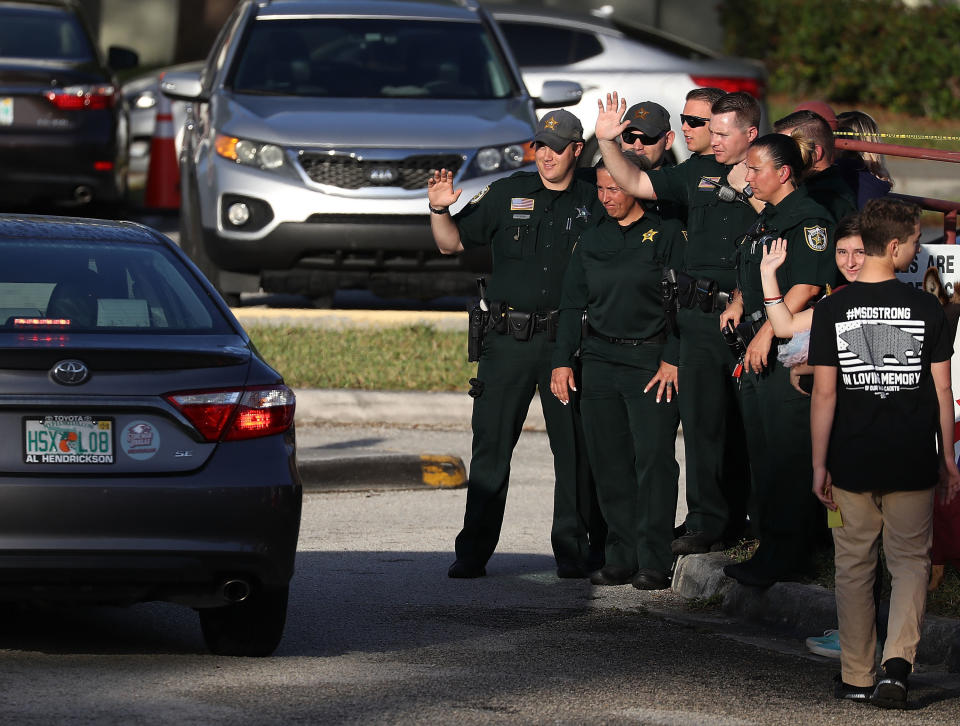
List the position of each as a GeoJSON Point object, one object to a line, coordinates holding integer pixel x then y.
{"type": "Point", "coordinates": [631, 441]}
{"type": "Point", "coordinates": [789, 516]}
{"type": "Point", "coordinates": [510, 372]}
{"type": "Point", "coordinates": [717, 468]}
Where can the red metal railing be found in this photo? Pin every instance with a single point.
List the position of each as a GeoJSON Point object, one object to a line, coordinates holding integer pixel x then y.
{"type": "Point", "coordinates": [944, 206]}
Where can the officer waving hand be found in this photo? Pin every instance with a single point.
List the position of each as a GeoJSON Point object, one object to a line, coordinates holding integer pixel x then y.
{"type": "Point", "coordinates": [532, 222]}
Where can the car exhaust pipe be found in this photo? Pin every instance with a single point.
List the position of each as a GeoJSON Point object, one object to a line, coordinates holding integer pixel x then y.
{"type": "Point", "coordinates": [83, 194]}
{"type": "Point", "coordinates": [234, 591]}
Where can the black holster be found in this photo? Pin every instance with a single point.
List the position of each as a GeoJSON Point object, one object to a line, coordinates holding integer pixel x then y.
{"type": "Point", "coordinates": [477, 327]}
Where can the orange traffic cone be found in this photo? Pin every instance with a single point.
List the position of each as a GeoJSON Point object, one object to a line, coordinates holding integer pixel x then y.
{"type": "Point", "coordinates": [163, 173]}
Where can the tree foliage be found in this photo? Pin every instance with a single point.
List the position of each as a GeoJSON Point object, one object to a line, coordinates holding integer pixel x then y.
{"type": "Point", "coordinates": [854, 51]}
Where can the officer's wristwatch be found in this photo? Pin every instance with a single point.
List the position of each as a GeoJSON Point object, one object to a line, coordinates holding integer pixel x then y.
{"type": "Point", "coordinates": [439, 210]}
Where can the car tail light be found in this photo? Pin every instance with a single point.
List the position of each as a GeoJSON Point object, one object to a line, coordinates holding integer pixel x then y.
{"type": "Point", "coordinates": [754, 86]}
{"type": "Point", "coordinates": [233, 414]}
{"type": "Point", "coordinates": [83, 98]}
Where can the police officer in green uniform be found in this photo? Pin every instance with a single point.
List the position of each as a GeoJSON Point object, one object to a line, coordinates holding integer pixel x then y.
{"type": "Point", "coordinates": [717, 474]}
{"type": "Point", "coordinates": [532, 221]}
{"type": "Point", "coordinates": [776, 415]}
{"type": "Point", "coordinates": [824, 181]}
{"type": "Point", "coordinates": [631, 429]}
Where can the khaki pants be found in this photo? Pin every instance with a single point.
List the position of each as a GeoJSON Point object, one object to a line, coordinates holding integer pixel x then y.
{"type": "Point", "coordinates": [905, 520]}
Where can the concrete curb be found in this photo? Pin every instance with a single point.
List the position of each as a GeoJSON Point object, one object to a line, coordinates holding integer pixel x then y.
{"type": "Point", "coordinates": [802, 609]}
{"type": "Point", "coordinates": [380, 472]}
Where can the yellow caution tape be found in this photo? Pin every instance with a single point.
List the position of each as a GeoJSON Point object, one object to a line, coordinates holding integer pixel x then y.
{"type": "Point", "coordinates": [444, 472]}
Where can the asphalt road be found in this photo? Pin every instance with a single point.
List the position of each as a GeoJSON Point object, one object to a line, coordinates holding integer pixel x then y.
{"type": "Point", "coordinates": [378, 634]}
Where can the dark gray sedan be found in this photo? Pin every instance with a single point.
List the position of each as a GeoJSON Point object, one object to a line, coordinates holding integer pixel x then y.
{"type": "Point", "coordinates": [150, 450]}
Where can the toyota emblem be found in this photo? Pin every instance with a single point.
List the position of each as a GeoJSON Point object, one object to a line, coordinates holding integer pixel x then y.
{"type": "Point", "coordinates": [70, 372]}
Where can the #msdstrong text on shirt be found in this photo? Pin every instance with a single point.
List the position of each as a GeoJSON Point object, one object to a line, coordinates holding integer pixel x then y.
{"type": "Point", "coordinates": [879, 349]}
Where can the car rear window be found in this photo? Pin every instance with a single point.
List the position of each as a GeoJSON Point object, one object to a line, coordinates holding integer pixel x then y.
{"type": "Point", "coordinates": [78, 286]}
{"type": "Point", "coordinates": [42, 34]}
{"type": "Point", "coordinates": [370, 58]}
{"type": "Point", "coordinates": [536, 44]}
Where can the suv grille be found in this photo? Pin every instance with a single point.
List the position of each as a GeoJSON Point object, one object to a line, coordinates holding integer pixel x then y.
{"type": "Point", "coordinates": [348, 173]}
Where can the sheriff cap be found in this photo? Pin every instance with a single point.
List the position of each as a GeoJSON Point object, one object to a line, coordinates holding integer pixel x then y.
{"type": "Point", "coordinates": [558, 128]}
{"type": "Point", "coordinates": [648, 118]}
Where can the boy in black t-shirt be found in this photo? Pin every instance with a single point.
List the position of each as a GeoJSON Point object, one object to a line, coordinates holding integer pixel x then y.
{"type": "Point", "coordinates": [881, 401]}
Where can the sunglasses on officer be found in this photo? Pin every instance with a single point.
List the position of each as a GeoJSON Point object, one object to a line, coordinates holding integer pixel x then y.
{"type": "Point", "coordinates": [631, 135]}
{"type": "Point", "coordinates": [693, 122]}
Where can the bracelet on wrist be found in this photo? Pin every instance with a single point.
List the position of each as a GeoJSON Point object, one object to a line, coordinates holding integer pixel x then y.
{"type": "Point", "coordinates": [775, 297]}
{"type": "Point", "coordinates": [439, 210]}
{"type": "Point", "coordinates": [770, 302]}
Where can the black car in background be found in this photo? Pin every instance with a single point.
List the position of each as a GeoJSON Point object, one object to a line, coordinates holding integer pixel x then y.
{"type": "Point", "coordinates": [63, 121]}
{"type": "Point", "coordinates": [149, 450]}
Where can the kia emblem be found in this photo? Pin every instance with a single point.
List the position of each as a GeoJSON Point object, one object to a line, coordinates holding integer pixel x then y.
{"type": "Point", "coordinates": [382, 175]}
{"type": "Point", "coordinates": [70, 372]}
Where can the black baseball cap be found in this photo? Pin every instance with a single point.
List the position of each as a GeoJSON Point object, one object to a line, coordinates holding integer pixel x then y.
{"type": "Point", "coordinates": [648, 118]}
{"type": "Point", "coordinates": [558, 128]}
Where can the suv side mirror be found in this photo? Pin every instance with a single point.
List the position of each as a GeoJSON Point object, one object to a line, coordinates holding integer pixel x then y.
{"type": "Point", "coordinates": [182, 86]}
{"type": "Point", "coordinates": [120, 58]}
{"type": "Point", "coordinates": [559, 93]}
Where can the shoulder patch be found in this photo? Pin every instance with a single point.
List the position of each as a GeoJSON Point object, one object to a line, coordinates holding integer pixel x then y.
{"type": "Point", "coordinates": [816, 238]}
{"type": "Point", "coordinates": [479, 195]}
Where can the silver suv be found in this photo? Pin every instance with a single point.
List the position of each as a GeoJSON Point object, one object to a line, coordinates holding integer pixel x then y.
{"type": "Point", "coordinates": [315, 125]}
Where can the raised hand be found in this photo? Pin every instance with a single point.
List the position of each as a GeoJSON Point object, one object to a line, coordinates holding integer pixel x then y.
{"type": "Point", "coordinates": [440, 189]}
{"type": "Point", "coordinates": [774, 256]}
{"type": "Point", "coordinates": [608, 120]}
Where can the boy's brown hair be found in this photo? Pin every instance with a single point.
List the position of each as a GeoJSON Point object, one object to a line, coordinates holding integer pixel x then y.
{"type": "Point", "coordinates": [886, 219]}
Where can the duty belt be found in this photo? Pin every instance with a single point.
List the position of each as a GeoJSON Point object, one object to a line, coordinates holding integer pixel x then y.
{"type": "Point", "coordinates": [658, 339]}
{"type": "Point", "coordinates": [522, 326]}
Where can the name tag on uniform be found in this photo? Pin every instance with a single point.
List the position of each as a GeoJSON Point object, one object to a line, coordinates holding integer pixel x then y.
{"type": "Point", "coordinates": [705, 182]}
{"type": "Point", "coordinates": [521, 216]}
{"type": "Point", "coordinates": [521, 203]}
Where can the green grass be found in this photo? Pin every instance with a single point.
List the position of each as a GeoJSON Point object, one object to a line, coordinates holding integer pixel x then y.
{"type": "Point", "coordinates": [415, 358]}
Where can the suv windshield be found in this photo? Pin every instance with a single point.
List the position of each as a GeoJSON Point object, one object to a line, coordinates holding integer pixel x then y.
{"type": "Point", "coordinates": [42, 35]}
{"type": "Point", "coordinates": [73, 286]}
{"type": "Point", "coordinates": [370, 58]}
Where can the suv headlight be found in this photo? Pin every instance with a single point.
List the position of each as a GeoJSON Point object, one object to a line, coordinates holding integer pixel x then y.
{"type": "Point", "coordinates": [269, 157]}
{"type": "Point", "coordinates": [501, 158]}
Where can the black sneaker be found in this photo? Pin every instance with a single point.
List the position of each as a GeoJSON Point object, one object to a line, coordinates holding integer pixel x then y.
{"type": "Point", "coordinates": [891, 690]}
{"type": "Point", "coordinates": [846, 692]}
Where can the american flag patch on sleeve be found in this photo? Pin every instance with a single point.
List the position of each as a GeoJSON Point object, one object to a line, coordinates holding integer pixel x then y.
{"type": "Point", "coordinates": [705, 184]}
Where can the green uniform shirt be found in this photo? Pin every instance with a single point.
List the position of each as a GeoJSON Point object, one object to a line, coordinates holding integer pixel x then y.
{"type": "Point", "coordinates": [532, 231]}
{"type": "Point", "coordinates": [615, 276]}
{"type": "Point", "coordinates": [713, 227]}
{"type": "Point", "coordinates": [828, 189]}
{"type": "Point", "coordinates": [809, 231]}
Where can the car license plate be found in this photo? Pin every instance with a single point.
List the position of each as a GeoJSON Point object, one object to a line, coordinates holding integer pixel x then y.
{"type": "Point", "coordinates": [6, 111]}
{"type": "Point", "coordinates": [68, 439]}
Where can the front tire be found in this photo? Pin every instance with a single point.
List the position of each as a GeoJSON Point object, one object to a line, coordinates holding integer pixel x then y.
{"type": "Point", "coordinates": [251, 628]}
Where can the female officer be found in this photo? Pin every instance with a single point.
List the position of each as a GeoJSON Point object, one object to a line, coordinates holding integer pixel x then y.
{"type": "Point", "coordinates": [614, 276]}
{"type": "Point", "coordinates": [776, 416]}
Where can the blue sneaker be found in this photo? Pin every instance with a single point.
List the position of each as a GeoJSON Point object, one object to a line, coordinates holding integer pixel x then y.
{"type": "Point", "coordinates": [826, 645]}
